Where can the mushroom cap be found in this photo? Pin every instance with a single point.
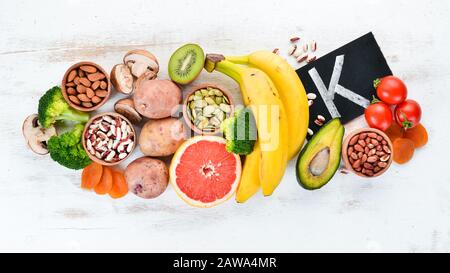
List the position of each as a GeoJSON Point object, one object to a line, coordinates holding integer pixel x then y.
{"type": "Point", "coordinates": [141, 61]}
{"type": "Point", "coordinates": [126, 108]}
{"type": "Point", "coordinates": [37, 136]}
{"type": "Point", "coordinates": [122, 79]}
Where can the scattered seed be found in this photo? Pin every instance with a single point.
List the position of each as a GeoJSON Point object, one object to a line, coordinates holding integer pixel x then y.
{"type": "Point", "coordinates": [292, 49]}
{"type": "Point", "coordinates": [313, 46]}
{"type": "Point", "coordinates": [311, 96]}
{"type": "Point", "coordinates": [294, 39]}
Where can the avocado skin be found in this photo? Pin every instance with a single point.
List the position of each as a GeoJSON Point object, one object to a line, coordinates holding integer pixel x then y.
{"type": "Point", "coordinates": [333, 166]}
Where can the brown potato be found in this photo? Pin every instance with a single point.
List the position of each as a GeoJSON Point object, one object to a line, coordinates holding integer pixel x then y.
{"type": "Point", "coordinates": [157, 98]}
{"type": "Point", "coordinates": [162, 137]}
{"type": "Point", "coordinates": [147, 177]}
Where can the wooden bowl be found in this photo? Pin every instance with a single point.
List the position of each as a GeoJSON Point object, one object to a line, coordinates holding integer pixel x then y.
{"type": "Point", "coordinates": [79, 107]}
{"type": "Point", "coordinates": [93, 157]}
{"type": "Point", "coordinates": [185, 106]}
{"type": "Point", "coordinates": [345, 155]}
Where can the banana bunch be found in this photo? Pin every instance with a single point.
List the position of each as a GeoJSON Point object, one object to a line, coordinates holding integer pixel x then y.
{"type": "Point", "coordinates": [277, 98]}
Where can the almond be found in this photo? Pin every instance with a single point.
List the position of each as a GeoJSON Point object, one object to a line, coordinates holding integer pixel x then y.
{"type": "Point", "coordinates": [101, 93]}
{"type": "Point", "coordinates": [88, 68]}
{"type": "Point", "coordinates": [96, 99]}
{"type": "Point", "coordinates": [103, 85]}
{"type": "Point", "coordinates": [95, 85]}
{"type": "Point", "coordinates": [74, 100]}
{"type": "Point", "coordinates": [96, 76]}
{"type": "Point", "coordinates": [85, 82]}
{"type": "Point", "coordinates": [81, 89]}
{"type": "Point", "coordinates": [83, 98]}
{"type": "Point", "coordinates": [71, 75]}
{"type": "Point", "coordinates": [90, 93]}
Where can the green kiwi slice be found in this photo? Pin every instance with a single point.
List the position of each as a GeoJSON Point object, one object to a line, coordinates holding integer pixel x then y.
{"type": "Point", "coordinates": [186, 63]}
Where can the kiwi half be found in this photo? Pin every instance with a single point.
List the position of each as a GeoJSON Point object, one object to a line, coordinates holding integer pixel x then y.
{"type": "Point", "coordinates": [186, 63]}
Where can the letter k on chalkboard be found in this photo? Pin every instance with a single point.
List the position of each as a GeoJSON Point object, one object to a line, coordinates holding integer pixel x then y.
{"type": "Point", "coordinates": [343, 80]}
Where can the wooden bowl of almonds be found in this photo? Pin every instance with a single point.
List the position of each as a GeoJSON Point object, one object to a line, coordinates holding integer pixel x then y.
{"type": "Point", "coordinates": [86, 86]}
{"type": "Point", "coordinates": [206, 106]}
{"type": "Point", "coordinates": [367, 152]}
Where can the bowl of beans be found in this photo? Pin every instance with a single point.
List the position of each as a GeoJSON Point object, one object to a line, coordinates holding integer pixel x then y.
{"type": "Point", "coordinates": [109, 138]}
{"type": "Point", "coordinates": [86, 86]}
{"type": "Point", "coordinates": [367, 152]}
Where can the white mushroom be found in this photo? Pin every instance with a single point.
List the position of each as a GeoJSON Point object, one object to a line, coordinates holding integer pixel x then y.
{"type": "Point", "coordinates": [137, 63]}
{"type": "Point", "coordinates": [126, 108]}
{"type": "Point", "coordinates": [141, 61]}
{"type": "Point", "coordinates": [122, 79]}
{"type": "Point", "coordinates": [37, 136]}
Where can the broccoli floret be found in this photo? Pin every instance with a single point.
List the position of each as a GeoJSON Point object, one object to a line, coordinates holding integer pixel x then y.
{"type": "Point", "coordinates": [53, 107]}
{"type": "Point", "coordinates": [67, 149]}
{"type": "Point", "coordinates": [240, 132]}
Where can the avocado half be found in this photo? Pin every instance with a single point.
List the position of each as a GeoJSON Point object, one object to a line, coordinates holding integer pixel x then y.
{"type": "Point", "coordinates": [320, 158]}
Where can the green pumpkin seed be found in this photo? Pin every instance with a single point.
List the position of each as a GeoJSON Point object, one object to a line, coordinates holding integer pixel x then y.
{"type": "Point", "coordinates": [198, 93]}
{"type": "Point", "coordinates": [204, 92]}
{"type": "Point", "coordinates": [210, 100]}
{"type": "Point", "coordinates": [218, 93]}
{"type": "Point", "coordinates": [219, 100]}
{"type": "Point", "coordinates": [225, 98]}
{"type": "Point", "coordinates": [191, 98]}
{"type": "Point", "coordinates": [196, 97]}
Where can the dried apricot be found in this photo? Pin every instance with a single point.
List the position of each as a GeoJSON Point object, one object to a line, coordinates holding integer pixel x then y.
{"type": "Point", "coordinates": [106, 182]}
{"type": "Point", "coordinates": [418, 134]}
{"type": "Point", "coordinates": [91, 175]}
{"type": "Point", "coordinates": [394, 131]}
{"type": "Point", "coordinates": [403, 150]}
{"type": "Point", "coordinates": [120, 186]}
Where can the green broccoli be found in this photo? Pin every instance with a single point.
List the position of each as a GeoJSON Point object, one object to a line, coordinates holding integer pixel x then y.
{"type": "Point", "coordinates": [53, 107]}
{"type": "Point", "coordinates": [240, 132]}
{"type": "Point", "coordinates": [67, 149]}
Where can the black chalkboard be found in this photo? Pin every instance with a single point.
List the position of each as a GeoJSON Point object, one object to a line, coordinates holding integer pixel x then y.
{"type": "Point", "coordinates": [362, 62]}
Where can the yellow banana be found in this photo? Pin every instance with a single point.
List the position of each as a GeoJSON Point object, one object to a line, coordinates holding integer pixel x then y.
{"type": "Point", "coordinates": [249, 183]}
{"type": "Point", "coordinates": [292, 93]}
{"type": "Point", "coordinates": [260, 94]}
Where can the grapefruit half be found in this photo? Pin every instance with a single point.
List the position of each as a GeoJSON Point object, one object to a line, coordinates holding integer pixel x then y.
{"type": "Point", "coordinates": [203, 173]}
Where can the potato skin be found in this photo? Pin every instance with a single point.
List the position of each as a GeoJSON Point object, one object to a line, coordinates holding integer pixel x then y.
{"type": "Point", "coordinates": [162, 137]}
{"type": "Point", "coordinates": [157, 98]}
{"type": "Point", "coordinates": [147, 177]}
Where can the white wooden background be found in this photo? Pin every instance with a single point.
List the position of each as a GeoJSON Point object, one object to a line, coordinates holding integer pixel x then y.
{"type": "Point", "coordinates": [43, 209]}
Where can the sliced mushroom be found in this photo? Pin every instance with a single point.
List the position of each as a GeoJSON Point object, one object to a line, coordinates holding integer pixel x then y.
{"type": "Point", "coordinates": [126, 108]}
{"type": "Point", "coordinates": [37, 136]}
{"type": "Point", "coordinates": [136, 63]}
{"type": "Point", "coordinates": [122, 79]}
{"type": "Point", "coordinates": [141, 61]}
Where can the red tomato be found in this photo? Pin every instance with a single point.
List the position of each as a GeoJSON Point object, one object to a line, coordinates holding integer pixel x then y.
{"type": "Point", "coordinates": [378, 115]}
{"type": "Point", "coordinates": [391, 90]}
{"type": "Point", "coordinates": [408, 114]}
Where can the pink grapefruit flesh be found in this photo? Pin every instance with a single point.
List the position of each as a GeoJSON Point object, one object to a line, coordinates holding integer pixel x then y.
{"type": "Point", "coordinates": [203, 172]}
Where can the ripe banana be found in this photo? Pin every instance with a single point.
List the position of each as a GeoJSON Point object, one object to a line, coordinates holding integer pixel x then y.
{"type": "Point", "coordinates": [249, 183]}
{"type": "Point", "coordinates": [292, 93]}
{"type": "Point", "coordinates": [260, 94]}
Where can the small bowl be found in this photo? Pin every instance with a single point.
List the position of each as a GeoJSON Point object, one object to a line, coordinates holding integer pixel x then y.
{"type": "Point", "coordinates": [98, 160]}
{"type": "Point", "coordinates": [185, 106]}
{"type": "Point", "coordinates": [345, 155]}
{"type": "Point", "coordinates": [79, 107]}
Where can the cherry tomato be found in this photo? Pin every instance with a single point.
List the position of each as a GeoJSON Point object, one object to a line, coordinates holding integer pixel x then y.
{"type": "Point", "coordinates": [391, 90]}
{"type": "Point", "coordinates": [408, 114]}
{"type": "Point", "coordinates": [378, 115]}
